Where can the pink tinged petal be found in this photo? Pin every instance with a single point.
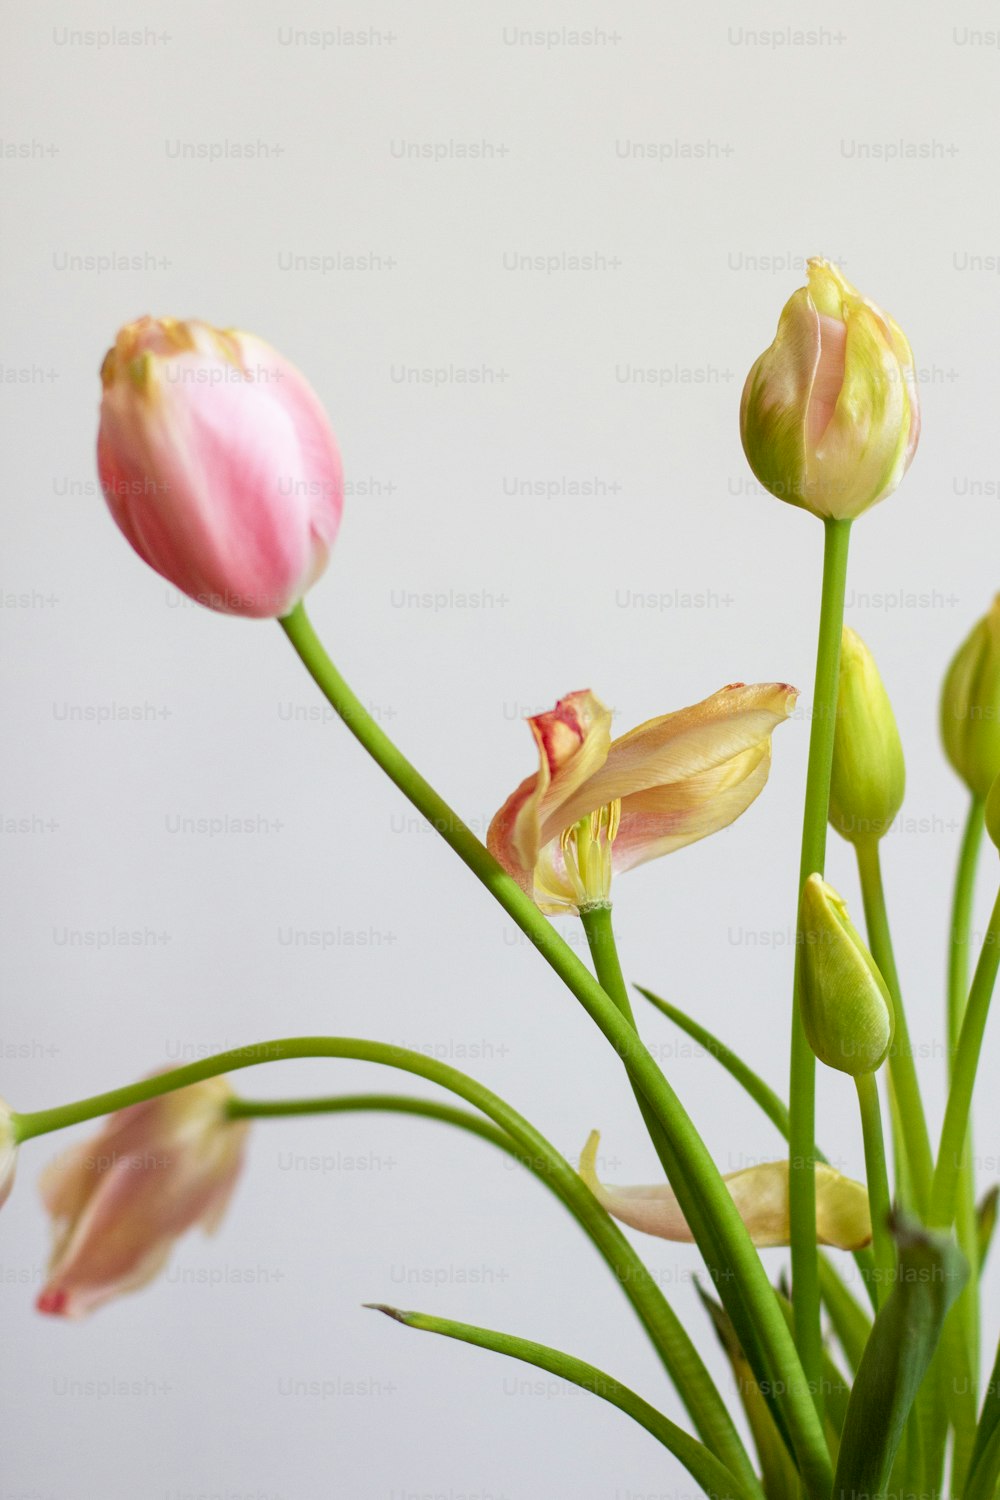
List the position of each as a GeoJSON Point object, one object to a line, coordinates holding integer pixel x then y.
{"type": "Point", "coordinates": [829, 377]}
{"type": "Point", "coordinates": [760, 1194]}
{"type": "Point", "coordinates": [119, 1202]}
{"type": "Point", "coordinates": [664, 819]}
{"type": "Point", "coordinates": [572, 742]}
{"type": "Point", "coordinates": [669, 751]}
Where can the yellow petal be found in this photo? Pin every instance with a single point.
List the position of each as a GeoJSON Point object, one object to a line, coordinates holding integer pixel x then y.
{"type": "Point", "coordinates": [760, 1193]}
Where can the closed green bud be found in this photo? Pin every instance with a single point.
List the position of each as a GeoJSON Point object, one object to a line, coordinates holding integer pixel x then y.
{"type": "Point", "coordinates": [869, 775]}
{"type": "Point", "coordinates": [846, 1009]}
{"type": "Point", "coordinates": [993, 812]}
{"type": "Point", "coordinates": [970, 705]}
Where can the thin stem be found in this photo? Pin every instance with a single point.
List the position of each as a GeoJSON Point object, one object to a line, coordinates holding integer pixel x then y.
{"type": "Point", "coordinates": [715, 1479]}
{"type": "Point", "coordinates": [878, 1186]}
{"type": "Point", "coordinates": [914, 1135]}
{"type": "Point", "coordinates": [944, 1190]}
{"type": "Point", "coordinates": [802, 1083]}
{"type": "Point", "coordinates": [678, 1354]}
{"type": "Point", "coordinates": [961, 921]}
{"type": "Point", "coordinates": [961, 1334]}
{"type": "Point", "coordinates": [741, 1261]}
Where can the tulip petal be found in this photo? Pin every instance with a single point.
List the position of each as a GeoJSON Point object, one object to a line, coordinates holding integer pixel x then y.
{"type": "Point", "coordinates": [776, 397]}
{"type": "Point", "coordinates": [669, 751]}
{"type": "Point", "coordinates": [572, 741]}
{"type": "Point", "coordinates": [760, 1193]}
{"type": "Point", "coordinates": [118, 1202]}
{"type": "Point", "coordinates": [867, 439]}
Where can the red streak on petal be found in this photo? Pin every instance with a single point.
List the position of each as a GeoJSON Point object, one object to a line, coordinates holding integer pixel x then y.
{"type": "Point", "coordinates": [54, 1301]}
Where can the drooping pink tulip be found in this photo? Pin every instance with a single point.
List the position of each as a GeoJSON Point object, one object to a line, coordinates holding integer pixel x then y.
{"type": "Point", "coordinates": [597, 806]}
{"type": "Point", "coordinates": [218, 464]}
{"type": "Point", "coordinates": [118, 1202]}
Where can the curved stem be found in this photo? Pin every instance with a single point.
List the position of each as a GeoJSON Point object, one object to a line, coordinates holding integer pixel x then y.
{"type": "Point", "coordinates": [878, 1186]}
{"type": "Point", "coordinates": [802, 1084]}
{"type": "Point", "coordinates": [944, 1191]}
{"type": "Point", "coordinates": [678, 1354]}
{"type": "Point", "coordinates": [961, 921]}
{"type": "Point", "coordinates": [741, 1261]}
{"type": "Point", "coordinates": [914, 1135]}
{"type": "Point", "coordinates": [705, 1469]}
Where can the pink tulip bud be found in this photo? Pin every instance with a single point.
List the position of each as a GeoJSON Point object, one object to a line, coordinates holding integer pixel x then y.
{"type": "Point", "coordinates": [218, 464]}
{"type": "Point", "coordinates": [119, 1201]}
{"type": "Point", "coordinates": [8, 1153]}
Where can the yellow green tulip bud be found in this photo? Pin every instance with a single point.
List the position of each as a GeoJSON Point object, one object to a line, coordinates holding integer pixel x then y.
{"type": "Point", "coordinates": [993, 812]}
{"type": "Point", "coordinates": [869, 775]}
{"type": "Point", "coordinates": [830, 415]}
{"type": "Point", "coordinates": [846, 1009]}
{"type": "Point", "coordinates": [970, 705]}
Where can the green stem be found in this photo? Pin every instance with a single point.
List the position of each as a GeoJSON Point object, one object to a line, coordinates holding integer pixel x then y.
{"type": "Point", "coordinates": [717, 1482]}
{"type": "Point", "coordinates": [599, 930]}
{"type": "Point", "coordinates": [878, 1186]}
{"type": "Point", "coordinates": [678, 1354]}
{"type": "Point", "coordinates": [694, 1161]}
{"type": "Point", "coordinates": [961, 1334]}
{"type": "Point", "coordinates": [944, 1190]}
{"type": "Point", "coordinates": [764, 1096]}
{"type": "Point", "coordinates": [961, 921]}
{"type": "Point", "coordinates": [802, 1084]}
{"type": "Point", "coordinates": [914, 1135]}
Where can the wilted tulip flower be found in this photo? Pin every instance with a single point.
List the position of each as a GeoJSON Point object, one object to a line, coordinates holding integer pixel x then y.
{"type": "Point", "coordinates": [8, 1153]}
{"type": "Point", "coordinates": [970, 705]}
{"type": "Point", "coordinates": [846, 1009]}
{"type": "Point", "coordinates": [595, 806]}
{"type": "Point", "coordinates": [119, 1202]}
{"type": "Point", "coordinates": [830, 415]}
{"type": "Point", "coordinates": [843, 1219]}
{"type": "Point", "coordinates": [218, 464]}
{"type": "Point", "coordinates": [869, 775]}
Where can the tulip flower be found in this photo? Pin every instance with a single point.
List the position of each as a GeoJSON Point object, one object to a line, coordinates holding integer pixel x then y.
{"type": "Point", "coordinates": [760, 1193]}
{"type": "Point", "coordinates": [970, 705]}
{"type": "Point", "coordinates": [830, 415]}
{"type": "Point", "coordinates": [218, 464]}
{"type": "Point", "coordinates": [120, 1201]}
{"type": "Point", "coordinates": [869, 775]}
{"type": "Point", "coordinates": [8, 1154]}
{"type": "Point", "coordinates": [846, 1008]}
{"type": "Point", "coordinates": [595, 806]}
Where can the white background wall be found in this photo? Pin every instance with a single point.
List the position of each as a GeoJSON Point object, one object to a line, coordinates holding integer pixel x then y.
{"type": "Point", "coordinates": [792, 154]}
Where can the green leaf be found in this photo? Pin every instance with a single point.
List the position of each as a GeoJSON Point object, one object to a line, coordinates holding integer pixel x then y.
{"type": "Point", "coordinates": [984, 1467]}
{"type": "Point", "coordinates": [781, 1481]}
{"type": "Point", "coordinates": [986, 1216]}
{"type": "Point", "coordinates": [707, 1471]}
{"type": "Point", "coordinates": [850, 1322]}
{"type": "Point", "coordinates": [931, 1273]}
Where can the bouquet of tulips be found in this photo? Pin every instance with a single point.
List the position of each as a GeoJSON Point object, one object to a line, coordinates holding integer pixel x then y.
{"type": "Point", "coordinates": [220, 468]}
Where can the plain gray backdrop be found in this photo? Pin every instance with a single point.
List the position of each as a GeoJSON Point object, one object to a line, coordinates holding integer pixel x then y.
{"type": "Point", "coordinates": [587, 241]}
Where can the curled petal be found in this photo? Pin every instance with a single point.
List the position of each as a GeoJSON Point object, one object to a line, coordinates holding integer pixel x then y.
{"type": "Point", "coordinates": [843, 1220]}
{"type": "Point", "coordinates": [667, 752]}
{"type": "Point", "coordinates": [572, 741]}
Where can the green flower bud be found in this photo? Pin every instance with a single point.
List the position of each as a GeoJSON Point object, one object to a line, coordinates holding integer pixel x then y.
{"type": "Point", "coordinates": [993, 812]}
{"type": "Point", "coordinates": [869, 775]}
{"type": "Point", "coordinates": [970, 705]}
{"type": "Point", "coordinates": [830, 416]}
{"type": "Point", "coordinates": [846, 1008]}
